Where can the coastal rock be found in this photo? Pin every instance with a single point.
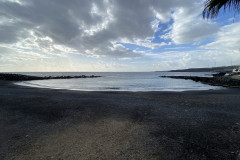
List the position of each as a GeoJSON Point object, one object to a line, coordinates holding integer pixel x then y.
{"type": "Point", "coordinates": [219, 74]}
{"type": "Point", "coordinates": [20, 77]}
{"type": "Point", "coordinates": [219, 80]}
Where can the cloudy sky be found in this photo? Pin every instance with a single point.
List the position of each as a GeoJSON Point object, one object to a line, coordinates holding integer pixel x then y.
{"type": "Point", "coordinates": [114, 35]}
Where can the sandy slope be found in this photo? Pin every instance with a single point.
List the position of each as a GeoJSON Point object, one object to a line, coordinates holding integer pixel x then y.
{"type": "Point", "coordinates": [59, 124]}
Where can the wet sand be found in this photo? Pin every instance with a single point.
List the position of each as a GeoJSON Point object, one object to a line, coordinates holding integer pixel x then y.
{"type": "Point", "coordinates": [70, 125]}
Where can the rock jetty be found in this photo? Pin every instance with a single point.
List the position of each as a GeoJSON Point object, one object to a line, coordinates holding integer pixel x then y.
{"type": "Point", "coordinates": [20, 77]}
{"type": "Point", "coordinates": [225, 81]}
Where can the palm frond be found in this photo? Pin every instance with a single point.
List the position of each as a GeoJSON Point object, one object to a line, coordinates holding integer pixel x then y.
{"type": "Point", "coordinates": [212, 7]}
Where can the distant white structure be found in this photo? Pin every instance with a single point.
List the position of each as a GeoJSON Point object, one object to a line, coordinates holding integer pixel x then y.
{"type": "Point", "coordinates": [236, 70]}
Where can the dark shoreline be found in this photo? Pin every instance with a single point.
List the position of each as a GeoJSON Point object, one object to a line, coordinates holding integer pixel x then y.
{"type": "Point", "coordinates": [60, 124]}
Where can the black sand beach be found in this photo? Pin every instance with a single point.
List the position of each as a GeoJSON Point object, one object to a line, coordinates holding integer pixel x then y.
{"type": "Point", "coordinates": [70, 125]}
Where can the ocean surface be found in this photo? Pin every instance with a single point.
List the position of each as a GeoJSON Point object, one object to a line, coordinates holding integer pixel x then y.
{"type": "Point", "coordinates": [120, 81]}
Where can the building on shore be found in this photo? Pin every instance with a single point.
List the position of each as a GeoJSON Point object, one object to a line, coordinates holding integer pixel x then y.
{"type": "Point", "coordinates": [236, 70]}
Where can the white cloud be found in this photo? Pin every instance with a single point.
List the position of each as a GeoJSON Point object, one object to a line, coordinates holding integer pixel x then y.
{"type": "Point", "coordinates": [85, 25]}
{"type": "Point", "coordinates": [227, 39]}
{"type": "Point", "coordinates": [145, 43]}
{"type": "Point", "coordinates": [193, 59]}
{"type": "Point", "coordinates": [41, 29]}
{"type": "Point", "coordinates": [189, 27]}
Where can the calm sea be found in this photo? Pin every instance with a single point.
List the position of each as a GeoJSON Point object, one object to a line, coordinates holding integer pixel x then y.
{"type": "Point", "coordinates": [120, 81]}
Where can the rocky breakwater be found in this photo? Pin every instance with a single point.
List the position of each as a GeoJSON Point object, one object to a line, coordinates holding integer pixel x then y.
{"type": "Point", "coordinates": [225, 81]}
{"type": "Point", "coordinates": [20, 77]}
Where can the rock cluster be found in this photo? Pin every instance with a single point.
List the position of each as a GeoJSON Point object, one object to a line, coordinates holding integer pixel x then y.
{"type": "Point", "coordinates": [20, 77]}
{"type": "Point", "coordinates": [225, 81]}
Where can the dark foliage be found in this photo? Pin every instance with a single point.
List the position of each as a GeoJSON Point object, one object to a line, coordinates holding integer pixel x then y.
{"type": "Point", "coordinates": [212, 7]}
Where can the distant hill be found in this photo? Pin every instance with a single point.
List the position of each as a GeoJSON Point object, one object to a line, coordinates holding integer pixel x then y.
{"type": "Point", "coordinates": [213, 69]}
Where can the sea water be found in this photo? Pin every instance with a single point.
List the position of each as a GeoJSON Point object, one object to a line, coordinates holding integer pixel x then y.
{"type": "Point", "coordinates": [120, 81]}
